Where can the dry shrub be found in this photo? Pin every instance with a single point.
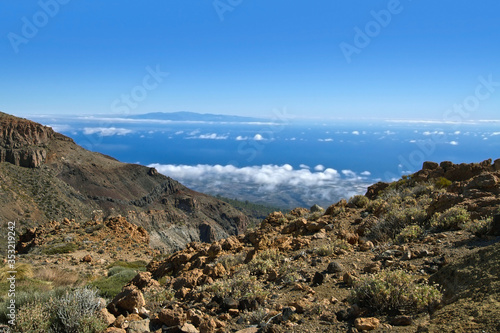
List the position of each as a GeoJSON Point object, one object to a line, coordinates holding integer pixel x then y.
{"type": "Point", "coordinates": [394, 292]}
{"type": "Point", "coordinates": [359, 201]}
{"type": "Point", "coordinates": [451, 219]}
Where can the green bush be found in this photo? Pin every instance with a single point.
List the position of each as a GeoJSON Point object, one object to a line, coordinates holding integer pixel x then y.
{"type": "Point", "coordinates": [442, 182]}
{"type": "Point", "coordinates": [376, 206]}
{"type": "Point", "coordinates": [393, 292]}
{"type": "Point", "coordinates": [409, 233]}
{"type": "Point", "coordinates": [451, 219]}
{"type": "Point", "coordinates": [111, 285]}
{"type": "Point", "coordinates": [478, 227]}
{"type": "Point", "coordinates": [138, 264]}
{"type": "Point", "coordinates": [60, 248]}
{"type": "Point", "coordinates": [359, 201]}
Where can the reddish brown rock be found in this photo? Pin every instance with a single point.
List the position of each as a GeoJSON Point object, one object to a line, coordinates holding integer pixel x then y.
{"type": "Point", "coordinates": [170, 317]}
{"type": "Point", "coordinates": [366, 324]}
{"type": "Point", "coordinates": [130, 299]}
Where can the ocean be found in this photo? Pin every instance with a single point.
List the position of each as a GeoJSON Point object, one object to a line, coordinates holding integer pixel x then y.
{"type": "Point", "coordinates": [286, 163]}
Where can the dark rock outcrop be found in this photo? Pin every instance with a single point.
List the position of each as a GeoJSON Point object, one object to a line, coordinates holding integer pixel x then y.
{"type": "Point", "coordinates": [23, 142]}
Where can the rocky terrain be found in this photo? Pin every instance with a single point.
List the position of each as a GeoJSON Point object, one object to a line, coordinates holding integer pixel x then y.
{"type": "Point", "coordinates": [45, 176]}
{"type": "Point", "coordinates": [418, 255]}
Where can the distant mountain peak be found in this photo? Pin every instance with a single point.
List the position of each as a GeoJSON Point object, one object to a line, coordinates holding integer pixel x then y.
{"type": "Point", "coordinates": [194, 116]}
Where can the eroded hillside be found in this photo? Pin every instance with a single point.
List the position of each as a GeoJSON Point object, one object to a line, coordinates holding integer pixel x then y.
{"type": "Point", "coordinates": [45, 176]}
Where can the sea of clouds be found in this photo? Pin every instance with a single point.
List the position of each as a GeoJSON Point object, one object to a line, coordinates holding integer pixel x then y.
{"type": "Point", "coordinates": [273, 184]}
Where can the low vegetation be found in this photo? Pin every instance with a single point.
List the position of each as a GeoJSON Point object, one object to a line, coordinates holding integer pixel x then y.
{"type": "Point", "coordinates": [119, 273]}
{"type": "Point", "coordinates": [392, 292]}
{"type": "Point", "coordinates": [75, 311]}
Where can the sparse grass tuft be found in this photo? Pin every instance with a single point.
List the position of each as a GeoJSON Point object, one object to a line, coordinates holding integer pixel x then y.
{"type": "Point", "coordinates": [23, 271]}
{"type": "Point", "coordinates": [331, 248]}
{"type": "Point", "coordinates": [58, 277]}
{"type": "Point", "coordinates": [241, 285]}
{"type": "Point", "coordinates": [231, 260]}
{"type": "Point", "coordinates": [264, 261]}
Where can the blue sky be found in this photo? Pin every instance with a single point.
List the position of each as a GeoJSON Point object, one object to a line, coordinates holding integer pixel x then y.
{"type": "Point", "coordinates": [413, 59]}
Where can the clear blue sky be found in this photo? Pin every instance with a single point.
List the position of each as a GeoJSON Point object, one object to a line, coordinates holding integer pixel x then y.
{"type": "Point", "coordinates": [248, 57]}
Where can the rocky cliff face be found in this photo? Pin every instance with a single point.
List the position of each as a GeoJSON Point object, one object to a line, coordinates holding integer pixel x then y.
{"type": "Point", "coordinates": [23, 142]}
{"type": "Point", "coordinates": [45, 176]}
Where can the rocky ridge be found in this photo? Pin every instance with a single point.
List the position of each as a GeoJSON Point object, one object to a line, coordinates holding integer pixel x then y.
{"type": "Point", "coordinates": [45, 176]}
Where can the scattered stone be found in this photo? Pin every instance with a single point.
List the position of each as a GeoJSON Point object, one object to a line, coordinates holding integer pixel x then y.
{"type": "Point", "coordinates": [249, 330]}
{"type": "Point", "coordinates": [172, 317]}
{"type": "Point", "coordinates": [120, 322]}
{"type": "Point", "coordinates": [300, 306]}
{"type": "Point", "coordinates": [318, 278]}
{"type": "Point", "coordinates": [144, 280]}
{"type": "Point", "coordinates": [316, 208]}
{"type": "Point", "coordinates": [138, 326]}
{"type": "Point", "coordinates": [233, 312]}
{"type": "Point", "coordinates": [406, 255]}
{"type": "Point", "coordinates": [87, 258]}
{"type": "Point", "coordinates": [334, 267]}
{"type": "Point", "coordinates": [108, 317]}
{"type": "Point", "coordinates": [229, 303]}
{"type": "Point", "coordinates": [366, 324]}
{"type": "Point", "coordinates": [130, 299]}
{"type": "Point", "coordinates": [372, 267]}
{"type": "Point", "coordinates": [287, 312]}
{"type": "Point", "coordinates": [366, 246]}
{"type": "Point", "coordinates": [349, 279]}
{"type": "Point", "coordinates": [189, 328]}
{"type": "Point", "coordinates": [115, 330]}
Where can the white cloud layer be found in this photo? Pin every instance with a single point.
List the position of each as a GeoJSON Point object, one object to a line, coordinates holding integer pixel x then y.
{"type": "Point", "coordinates": [106, 131]}
{"type": "Point", "coordinates": [212, 136]}
{"type": "Point", "coordinates": [321, 185]}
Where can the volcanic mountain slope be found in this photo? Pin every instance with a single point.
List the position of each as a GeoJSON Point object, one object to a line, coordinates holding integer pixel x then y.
{"type": "Point", "coordinates": [45, 176]}
{"type": "Point", "coordinates": [417, 255]}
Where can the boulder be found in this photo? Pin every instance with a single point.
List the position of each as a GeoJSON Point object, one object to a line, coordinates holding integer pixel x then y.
{"type": "Point", "coordinates": [130, 299]}
{"type": "Point", "coordinates": [144, 280]}
{"type": "Point", "coordinates": [175, 317]}
{"type": "Point", "coordinates": [335, 267]}
{"type": "Point", "coordinates": [366, 324]}
{"type": "Point", "coordinates": [373, 191]}
{"type": "Point", "coordinates": [138, 326]}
